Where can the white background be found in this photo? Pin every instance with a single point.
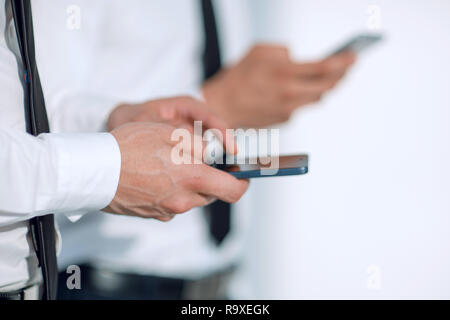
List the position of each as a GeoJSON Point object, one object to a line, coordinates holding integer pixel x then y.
{"type": "Point", "coordinates": [371, 220]}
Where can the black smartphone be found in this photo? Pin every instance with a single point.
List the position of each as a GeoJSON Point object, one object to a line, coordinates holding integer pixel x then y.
{"type": "Point", "coordinates": [291, 165]}
{"type": "Point", "coordinates": [359, 43]}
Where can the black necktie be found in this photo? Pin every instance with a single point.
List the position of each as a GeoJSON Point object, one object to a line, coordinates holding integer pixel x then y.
{"type": "Point", "coordinates": [42, 228]}
{"type": "Point", "coordinates": [219, 212]}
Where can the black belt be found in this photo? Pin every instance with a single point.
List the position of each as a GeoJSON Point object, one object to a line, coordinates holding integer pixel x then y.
{"type": "Point", "coordinates": [104, 285]}
{"type": "Point", "coordinates": [15, 295]}
{"type": "Point", "coordinates": [30, 293]}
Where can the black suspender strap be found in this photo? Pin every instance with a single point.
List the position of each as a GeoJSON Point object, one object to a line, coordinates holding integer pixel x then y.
{"type": "Point", "coordinates": [219, 212]}
{"type": "Point", "coordinates": [42, 228]}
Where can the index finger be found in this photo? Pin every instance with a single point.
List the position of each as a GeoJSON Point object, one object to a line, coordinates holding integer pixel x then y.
{"type": "Point", "coordinates": [330, 65]}
{"type": "Point", "coordinates": [219, 184]}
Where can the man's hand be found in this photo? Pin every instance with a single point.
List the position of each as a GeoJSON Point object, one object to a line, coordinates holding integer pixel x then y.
{"type": "Point", "coordinates": [178, 112]}
{"type": "Point", "coordinates": [266, 86]}
{"type": "Point", "coordinates": [151, 185]}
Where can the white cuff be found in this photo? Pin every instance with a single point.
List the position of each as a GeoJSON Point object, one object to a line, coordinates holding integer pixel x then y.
{"type": "Point", "coordinates": [88, 170]}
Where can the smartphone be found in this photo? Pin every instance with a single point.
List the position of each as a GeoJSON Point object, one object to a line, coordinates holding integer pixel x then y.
{"type": "Point", "coordinates": [359, 43]}
{"type": "Point", "coordinates": [291, 165]}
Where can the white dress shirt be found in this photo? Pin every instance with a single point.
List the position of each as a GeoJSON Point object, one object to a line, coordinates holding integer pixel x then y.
{"type": "Point", "coordinates": [38, 176]}
{"type": "Point", "coordinates": [127, 51]}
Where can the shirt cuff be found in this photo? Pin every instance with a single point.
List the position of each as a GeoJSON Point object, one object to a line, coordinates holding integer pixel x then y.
{"type": "Point", "coordinates": [88, 170]}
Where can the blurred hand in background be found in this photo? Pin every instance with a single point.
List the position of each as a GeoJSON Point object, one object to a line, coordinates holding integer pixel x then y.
{"type": "Point", "coordinates": [266, 87]}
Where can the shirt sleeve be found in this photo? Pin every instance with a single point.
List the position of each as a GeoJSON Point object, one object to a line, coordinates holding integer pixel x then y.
{"type": "Point", "coordinates": [56, 173]}
{"type": "Point", "coordinates": [72, 111]}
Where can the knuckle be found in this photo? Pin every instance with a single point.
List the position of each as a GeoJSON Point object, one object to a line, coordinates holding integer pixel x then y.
{"type": "Point", "coordinates": [286, 115]}
{"type": "Point", "coordinates": [235, 196]}
{"type": "Point", "coordinates": [196, 183]}
{"type": "Point", "coordinates": [334, 84]}
{"type": "Point", "coordinates": [179, 206]}
{"type": "Point", "coordinates": [238, 193]}
{"type": "Point", "coordinates": [190, 184]}
{"type": "Point", "coordinates": [327, 87]}
{"type": "Point", "coordinates": [165, 218]}
{"type": "Point", "coordinates": [193, 176]}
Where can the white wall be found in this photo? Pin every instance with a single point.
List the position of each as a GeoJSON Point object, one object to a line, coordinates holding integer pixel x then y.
{"type": "Point", "coordinates": [372, 219]}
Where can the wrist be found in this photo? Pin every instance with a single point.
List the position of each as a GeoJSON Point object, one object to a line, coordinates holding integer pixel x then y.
{"type": "Point", "coordinates": [218, 99]}
{"type": "Point", "coordinates": [121, 114]}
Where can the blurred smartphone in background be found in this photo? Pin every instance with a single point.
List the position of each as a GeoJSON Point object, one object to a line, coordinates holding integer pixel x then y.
{"type": "Point", "coordinates": [359, 43]}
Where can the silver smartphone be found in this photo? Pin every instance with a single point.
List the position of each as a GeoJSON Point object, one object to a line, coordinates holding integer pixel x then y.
{"type": "Point", "coordinates": [359, 43]}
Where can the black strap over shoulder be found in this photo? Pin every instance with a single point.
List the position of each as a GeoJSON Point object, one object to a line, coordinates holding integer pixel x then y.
{"type": "Point", "coordinates": [42, 228]}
